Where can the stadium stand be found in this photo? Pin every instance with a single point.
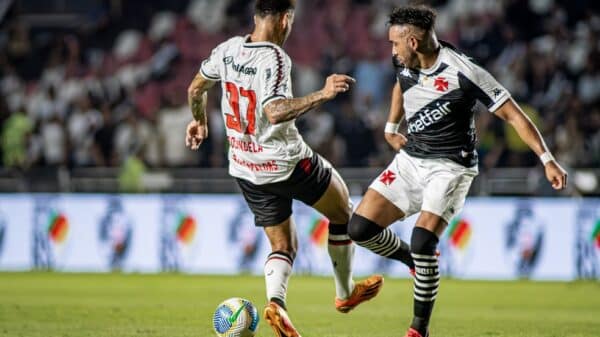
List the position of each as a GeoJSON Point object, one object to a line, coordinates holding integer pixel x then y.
{"type": "Point", "coordinates": [93, 93]}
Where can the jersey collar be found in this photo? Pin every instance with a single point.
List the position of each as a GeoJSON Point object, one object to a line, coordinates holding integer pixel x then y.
{"type": "Point", "coordinates": [248, 44]}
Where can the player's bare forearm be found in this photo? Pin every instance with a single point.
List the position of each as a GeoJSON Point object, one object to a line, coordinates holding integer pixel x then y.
{"type": "Point", "coordinates": [286, 109]}
{"type": "Point", "coordinates": [198, 107]}
{"type": "Point", "coordinates": [527, 131]}
{"type": "Point", "coordinates": [197, 97]}
{"type": "Point", "coordinates": [396, 105]}
{"type": "Point", "coordinates": [395, 139]}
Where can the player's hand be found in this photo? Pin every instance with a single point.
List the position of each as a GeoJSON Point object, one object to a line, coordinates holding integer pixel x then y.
{"type": "Point", "coordinates": [396, 140]}
{"type": "Point", "coordinates": [556, 175]}
{"type": "Point", "coordinates": [335, 84]}
{"type": "Point", "coordinates": [196, 133]}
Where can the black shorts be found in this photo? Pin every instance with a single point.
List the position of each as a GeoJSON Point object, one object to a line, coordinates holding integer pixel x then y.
{"type": "Point", "coordinates": [272, 203]}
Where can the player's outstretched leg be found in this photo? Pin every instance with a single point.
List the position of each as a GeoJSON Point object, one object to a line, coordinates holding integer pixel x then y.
{"type": "Point", "coordinates": [379, 240]}
{"type": "Point", "coordinates": [368, 228]}
{"type": "Point", "coordinates": [335, 205]}
{"type": "Point", "coordinates": [278, 270]}
{"type": "Point", "coordinates": [426, 281]}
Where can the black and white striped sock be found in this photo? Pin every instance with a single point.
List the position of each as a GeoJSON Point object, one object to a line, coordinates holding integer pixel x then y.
{"type": "Point", "coordinates": [427, 277]}
{"type": "Point", "coordinates": [382, 241]}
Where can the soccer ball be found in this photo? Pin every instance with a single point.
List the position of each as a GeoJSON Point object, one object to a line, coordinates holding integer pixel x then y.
{"type": "Point", "coordinates": [235, 317]}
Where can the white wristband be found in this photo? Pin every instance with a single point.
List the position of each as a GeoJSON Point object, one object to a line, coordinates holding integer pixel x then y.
{"type": "Point", "coordinates": [392, 127]}
{"type": "Point", "coordinates": [546, 157]}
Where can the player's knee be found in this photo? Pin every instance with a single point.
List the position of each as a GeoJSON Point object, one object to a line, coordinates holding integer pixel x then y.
{"type": "Point", "coordinates": [341, 216]}
{"type": "Point", "coordinates": [423, 241]}
{"type": "Point", "coordinates": [362, 229]}
{"type": "Point", "coordinates": [285, 246]}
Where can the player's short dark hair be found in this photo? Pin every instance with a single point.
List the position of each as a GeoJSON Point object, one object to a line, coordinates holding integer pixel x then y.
{"type": "Point", "coordinates": [419, 16]}
{"type": "Point", "coordinates": [270, 7]}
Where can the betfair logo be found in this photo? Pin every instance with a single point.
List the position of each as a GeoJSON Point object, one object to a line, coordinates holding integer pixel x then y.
{"type": "Point", "coordinates": [428, 117]}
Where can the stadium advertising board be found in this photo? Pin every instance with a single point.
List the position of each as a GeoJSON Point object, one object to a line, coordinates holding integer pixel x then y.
{"type": "Point", "coordinates": [493, 238]}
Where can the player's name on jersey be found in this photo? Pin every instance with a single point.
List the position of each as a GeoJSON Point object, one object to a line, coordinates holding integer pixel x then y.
{"type": "Point", "coordinates": [228, 60]}
{"type": "Point", "coordinates": [269, 166]}
{"type": "Point", "coordinates": [244, 146]}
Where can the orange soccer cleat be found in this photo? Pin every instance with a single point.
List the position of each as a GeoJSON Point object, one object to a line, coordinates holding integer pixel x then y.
{"type": "Point", "coordinates": [363, 291]}
{"type": "Point", "coordinates": [278, 319]}
{"type": "Point", "coordinates": [414, 333]}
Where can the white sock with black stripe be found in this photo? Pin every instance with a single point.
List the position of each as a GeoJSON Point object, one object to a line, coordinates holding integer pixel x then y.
{"type": "Point", "coordinates": [278, 270]}
{"type": "Point", "coordinates": [341, 252]}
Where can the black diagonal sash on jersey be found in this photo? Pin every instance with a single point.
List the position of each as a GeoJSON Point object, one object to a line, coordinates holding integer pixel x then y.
{"type": "Point", "coordinates": [408, 78]}
{"type": "Point", "coordinates": [443, 129]}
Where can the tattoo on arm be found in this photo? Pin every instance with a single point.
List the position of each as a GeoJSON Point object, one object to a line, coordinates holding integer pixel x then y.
{"type": "Point", "coordinates": [284, 110]}
{"type": "Point", "coordinates": [197, 97]}
{"type": "Point", "coordinates": [198, 106]}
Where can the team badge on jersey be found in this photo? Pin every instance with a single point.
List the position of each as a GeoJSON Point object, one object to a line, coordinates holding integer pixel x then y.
{"type": "Point", "coordinates": [440, 83]}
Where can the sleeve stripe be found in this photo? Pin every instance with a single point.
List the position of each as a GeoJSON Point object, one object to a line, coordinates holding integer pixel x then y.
{"type": "Point", "coordinates": [208, 76]}
{"type": "Point", "coordinates": [271, 98]}
{"type": "Point", "coordinates": [499, 102]}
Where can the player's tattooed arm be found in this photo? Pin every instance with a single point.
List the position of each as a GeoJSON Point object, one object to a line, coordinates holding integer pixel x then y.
{"type": "Point", "coordinates": [286, 109]}
{"type": "Point", "coordinates": [197, 97]}
{"type": "Point", "coordinates": [392, 136]}
{"type": "Point", "coordinates": [197, 130]}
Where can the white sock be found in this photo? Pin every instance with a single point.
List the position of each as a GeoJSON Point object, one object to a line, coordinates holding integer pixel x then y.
{"type": "Point", "coordinates": [278, 269]}
{"type": "Point", "coordinates": [341, 252]}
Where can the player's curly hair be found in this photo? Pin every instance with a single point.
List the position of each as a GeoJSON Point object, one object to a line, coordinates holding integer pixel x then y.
{"type": "Point", "coordinates": [269, 7]}
{"type": "Point", "coordinates": [419, 16]}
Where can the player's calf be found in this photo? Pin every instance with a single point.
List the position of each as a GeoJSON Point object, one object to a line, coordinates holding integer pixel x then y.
{"type": "Point", "coordinates": [427, 277]}
{"type": "Point", "coordinates": [341, 252]}
{"type": "Point", "coordinates": [379, 240]}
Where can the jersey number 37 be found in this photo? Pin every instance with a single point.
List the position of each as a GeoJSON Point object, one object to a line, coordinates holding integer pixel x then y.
{"type": "Point", "coordinates": [235, 121]}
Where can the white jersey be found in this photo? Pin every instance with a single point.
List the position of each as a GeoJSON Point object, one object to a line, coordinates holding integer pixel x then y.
{"type": "Point", "coordinates": [439, 102]}
{"type": "Point", "coordinates": [252, 74]}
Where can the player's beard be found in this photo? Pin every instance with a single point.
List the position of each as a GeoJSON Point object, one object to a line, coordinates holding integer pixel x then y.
{"type": "Point", "coordinates": [396, 62]}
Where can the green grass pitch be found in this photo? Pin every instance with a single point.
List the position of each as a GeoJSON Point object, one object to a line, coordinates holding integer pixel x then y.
{"type": "Point", "coordinates": [107, 305]}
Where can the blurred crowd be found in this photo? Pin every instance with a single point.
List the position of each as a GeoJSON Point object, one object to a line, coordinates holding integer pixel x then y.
{"type": "Point", "coordinates": [112, 87]}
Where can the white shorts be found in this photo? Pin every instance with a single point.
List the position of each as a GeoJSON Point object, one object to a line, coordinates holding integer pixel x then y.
{"type": "Point", "coordinates": [437, 185]}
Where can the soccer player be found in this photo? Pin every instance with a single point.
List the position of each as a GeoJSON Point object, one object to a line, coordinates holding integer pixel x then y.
{"type": "Point", "coordinates": [436, 90]}
{"type": "Point", "coordinates": [268, 157]}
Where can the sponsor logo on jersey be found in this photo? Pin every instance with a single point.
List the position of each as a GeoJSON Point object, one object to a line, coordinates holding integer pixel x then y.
{"type": "Point", "coordinates": [270, 166]}
{"type": "Point", "coordinates": [406, 73]}
{"type": "Point", "coordinates": [228, 60]}
{"type": "Point", "coordinates": [496, 92]}
{"type": "Point", "coordinates": [428, 117]}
